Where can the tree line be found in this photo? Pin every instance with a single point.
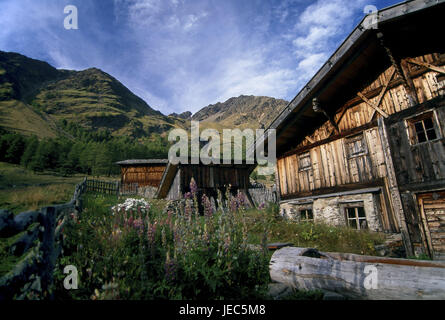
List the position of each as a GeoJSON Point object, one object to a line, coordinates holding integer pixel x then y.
{"type": "Point", "coordinates": [83, 151]}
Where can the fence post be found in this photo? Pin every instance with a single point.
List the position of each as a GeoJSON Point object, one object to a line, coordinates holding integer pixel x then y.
{"type": "Point", "coordinates": [47, 248]}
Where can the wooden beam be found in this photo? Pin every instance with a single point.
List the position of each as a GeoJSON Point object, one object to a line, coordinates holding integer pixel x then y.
{"type": "Point", "coordinates": [383, 113]}
{"type": "Point", "coordinates": [427, 65]}
{"type": "Point", "coordinates": [309, 139]}
{"type": "Point", "coordinates": [341, 115]}
{"type": "Point", "coordinates": [394, 191]}
{"type": "Point", "coordinates": [382, 93]}
{"type": "Point", "coordinates": [410, 87]}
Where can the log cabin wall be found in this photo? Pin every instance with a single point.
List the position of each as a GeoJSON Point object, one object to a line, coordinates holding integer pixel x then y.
{"type": "Point", "coordinates": [350, 160]}
{"type": "Point", "coordinates": [419, 168]}
{"type": "Point", "coordinates": [356, 112]}
{"type": "Point", "coordinates": [330, 160]}
{"type": "Point", "coordinates": [142, 175]}
{"type": "Point", "coordinates": [208, 179]}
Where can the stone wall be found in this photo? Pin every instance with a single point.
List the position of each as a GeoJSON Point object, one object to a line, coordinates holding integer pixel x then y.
{"type": "Point", "coordinates": [331, 210]}
{"type": "Point", "coordinates": [147, 192]}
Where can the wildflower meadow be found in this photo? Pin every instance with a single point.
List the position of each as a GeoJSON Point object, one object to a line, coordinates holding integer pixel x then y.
{"type": "Point", "coordinates": [136, 250]}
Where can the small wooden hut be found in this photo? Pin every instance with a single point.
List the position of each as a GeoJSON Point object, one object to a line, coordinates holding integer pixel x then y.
{"type": "Point", "coordinates": [143, 173]}
{"type": "Point", "coordinates": [209, 178]}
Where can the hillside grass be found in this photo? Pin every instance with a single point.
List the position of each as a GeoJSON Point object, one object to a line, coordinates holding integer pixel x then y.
{"type": "Point", "coordinates": [19, 117]}
{"type": "Point", "coordinates": [22, 189]}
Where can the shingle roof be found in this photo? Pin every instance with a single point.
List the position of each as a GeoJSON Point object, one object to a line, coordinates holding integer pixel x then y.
{"type": "Point", "coordinates": [142, 161]}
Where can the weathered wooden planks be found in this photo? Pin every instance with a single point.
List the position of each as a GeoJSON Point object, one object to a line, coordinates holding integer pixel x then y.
{"type": "Point", "coordinates": [387, 94]}
{"type": "Point", "coordinates": [143, 175]}
{"type": "Point", "coordinates": [432, 206]}
{"type": "Point", "coordinates": [331, 166]}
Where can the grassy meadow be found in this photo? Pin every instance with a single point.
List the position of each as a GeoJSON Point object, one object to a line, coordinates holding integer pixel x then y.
{"type": "Point", "coordinates": [22, 189]}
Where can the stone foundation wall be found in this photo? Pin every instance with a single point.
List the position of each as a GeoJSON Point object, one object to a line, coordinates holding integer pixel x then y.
{"type": "Point", "coordinates": [331, 210]}
{"type": "Point", "coordinates": [147, 192]}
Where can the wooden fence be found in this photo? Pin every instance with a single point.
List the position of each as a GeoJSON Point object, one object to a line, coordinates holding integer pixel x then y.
{"type": "Point", "coordinates": [129, 189]}
{"type": "Point", "coordinates": [113, 187]}
{"type": "Point", "coordinates": [263, 195]}
{"type": "Point", "coordinates": [41, 244]}
{"type": "Point", "coordinates": [105, 187]}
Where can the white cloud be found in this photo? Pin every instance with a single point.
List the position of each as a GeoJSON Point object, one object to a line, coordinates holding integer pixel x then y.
{"type": "Point", "coordinates": [191, 20]}
{"type": "Point", "coordinates": [311, 63]}
{"type": "Point", "coordinates": [320, 29]}
{"type": "Point", "coordinates": [159, 14]}
{"type": "Point", "coordinates": [242, 73]}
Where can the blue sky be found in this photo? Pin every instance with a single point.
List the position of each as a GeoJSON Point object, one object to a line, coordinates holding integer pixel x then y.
{"type": "Point", "coordinates": [181, 55]}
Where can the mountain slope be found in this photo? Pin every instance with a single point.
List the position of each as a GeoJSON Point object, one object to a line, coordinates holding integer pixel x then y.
{"type": "Point", "coordinates": [36, 98]}
{"type": "Point", "coordinates": [92, 98]}
{"type": "Point", "coordinates": [241, 112]}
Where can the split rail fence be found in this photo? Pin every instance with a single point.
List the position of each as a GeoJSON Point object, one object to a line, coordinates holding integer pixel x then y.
{"type": "Point", "coordinates": [39, 240]}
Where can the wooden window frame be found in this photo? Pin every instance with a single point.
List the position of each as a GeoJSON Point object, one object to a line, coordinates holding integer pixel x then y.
{"type": "Point", "coordinates": [306, 211]}
{"type": "Point", "coordinates": [356, 206]}
{"type": "Point", "coordinates": [412, 132]}
{"type": "Point", "coordinates": [302, 156]}
{"type": "Point", "coordinates": [353, 139]}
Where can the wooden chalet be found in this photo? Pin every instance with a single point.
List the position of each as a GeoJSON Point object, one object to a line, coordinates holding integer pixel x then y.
{"type": "Point", "coordinates": [362, 144]}
{"type": "Point", "coordinates": [143, 173]}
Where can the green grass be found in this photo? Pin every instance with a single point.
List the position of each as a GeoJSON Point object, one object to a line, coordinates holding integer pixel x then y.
{"type": "Point", "coordinates": [16, 175]}
{"type": "Point", "coordinates": [309, 235]}
{"type": "Point", "coordinates": [18, 117]}
{"type": "Point", "coordinates": [22, 189]}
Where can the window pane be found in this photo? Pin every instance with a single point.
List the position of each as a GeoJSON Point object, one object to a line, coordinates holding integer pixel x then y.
{"type": "Point", "coordinates": [428, 123]}
{"type": "Point", "coordinates": [431, 134]}
{"type": "Point", "coordinates": [303, 214]}
{"type": "Point", "coordinates": [351, 212]}
{"type": "Point", "coordinates": [363, 224]}
{"type": "Point", "coordinates": [421, 137]}
{"type": "Point", "coordinates": [361, 212]}
{"type": "Point", "coordinates": [310, 214]}
{"type": "Point", "coordinates": [355, 147]}
{"type": "Point", "coordinates": [350, 148]}
{"type": "Point", "coordinates": [418, 126]}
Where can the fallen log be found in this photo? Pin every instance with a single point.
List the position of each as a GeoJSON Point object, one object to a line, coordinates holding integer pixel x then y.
{"type": "Point", "coordinates": [358, 277]}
